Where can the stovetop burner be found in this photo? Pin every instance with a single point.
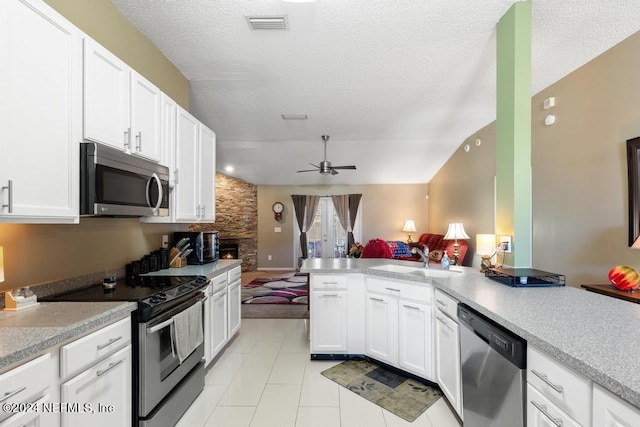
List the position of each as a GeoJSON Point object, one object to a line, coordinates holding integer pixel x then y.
{"type": "Point", "coordinates": [154, 294]}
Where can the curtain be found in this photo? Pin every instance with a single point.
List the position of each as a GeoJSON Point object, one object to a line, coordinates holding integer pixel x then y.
{"type": "Point", "coordinates": [305, 208]}
{"type": "Point", "coordinates": [354, 203]}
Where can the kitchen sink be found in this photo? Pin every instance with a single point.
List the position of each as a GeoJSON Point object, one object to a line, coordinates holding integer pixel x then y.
{"type": "Point", "coordinates": [417, 271]}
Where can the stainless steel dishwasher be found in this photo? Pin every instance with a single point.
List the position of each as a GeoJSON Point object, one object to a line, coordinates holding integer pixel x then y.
{"type": "Point", "coordinates": [493, 363]}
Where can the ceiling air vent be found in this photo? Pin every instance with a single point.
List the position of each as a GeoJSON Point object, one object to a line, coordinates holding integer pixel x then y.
{"type": "Point", "coordinates": [267, 22]}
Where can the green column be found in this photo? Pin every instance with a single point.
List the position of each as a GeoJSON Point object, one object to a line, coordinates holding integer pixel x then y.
{"type": "Point", "coordinates": [513, 128]}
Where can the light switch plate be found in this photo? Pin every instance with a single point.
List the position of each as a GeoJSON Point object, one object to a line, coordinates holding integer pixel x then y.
{"type": "Point", "coordinates": [507, 240]}
{"type": "Point", "coordinates": [277, 229]}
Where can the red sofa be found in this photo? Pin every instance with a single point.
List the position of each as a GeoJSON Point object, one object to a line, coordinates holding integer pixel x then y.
{"type": "Point", "coordinates": [378, 248]}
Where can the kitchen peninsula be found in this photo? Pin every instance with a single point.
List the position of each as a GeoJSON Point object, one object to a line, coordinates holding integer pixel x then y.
{"type": "Point", "coordinates": [593, 335]}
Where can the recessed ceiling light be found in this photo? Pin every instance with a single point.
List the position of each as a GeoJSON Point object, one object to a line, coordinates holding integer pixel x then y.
{"type": "Point", "coordinates": [294, 117]}
{"type": "Point", "coordinates": [229, 168]}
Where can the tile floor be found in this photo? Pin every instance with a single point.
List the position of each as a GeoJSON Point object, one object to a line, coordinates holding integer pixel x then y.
{"type": "Point", "coordinates": [265, 378]}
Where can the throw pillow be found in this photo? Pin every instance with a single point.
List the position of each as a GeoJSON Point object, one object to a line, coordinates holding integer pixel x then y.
{"type": "Point", "coordinates": [436, 255]}
{"type": "Point", "coordinates": [399, 249]}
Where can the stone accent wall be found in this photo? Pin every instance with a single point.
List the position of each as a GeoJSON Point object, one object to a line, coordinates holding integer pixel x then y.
{"type": "Point", "coordinates": [236, 218]}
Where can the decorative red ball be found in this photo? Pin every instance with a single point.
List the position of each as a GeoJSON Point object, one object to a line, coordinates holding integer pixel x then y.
{"type": "Point", "coordinates": [624, 277]}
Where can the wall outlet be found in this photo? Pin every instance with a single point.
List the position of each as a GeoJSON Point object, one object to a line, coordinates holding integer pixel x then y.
{"type": "Point", "coordinates": [269, 258]}
{"type": "Point", "coordinates": [277, 229]}
{"type": "Point", "coordinates": [165, 241]}
{"type": "Point", "coordinates": [505, 244]}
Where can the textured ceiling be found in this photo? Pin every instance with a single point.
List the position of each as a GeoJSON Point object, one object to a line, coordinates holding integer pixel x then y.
{"type": "Point", "coordinates": [398, 85]}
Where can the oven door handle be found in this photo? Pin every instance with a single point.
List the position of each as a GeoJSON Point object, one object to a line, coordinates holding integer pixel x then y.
{"type": "Point", "coordinates": [159, 326]}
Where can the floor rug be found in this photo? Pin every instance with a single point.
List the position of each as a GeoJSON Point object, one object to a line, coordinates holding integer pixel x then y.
{"type": "Point", "coordinates": [397, 393]}
{"type": "Point", "coordinates": [291, 288]}
{"type": "Point", "coordinates": [275, 311]}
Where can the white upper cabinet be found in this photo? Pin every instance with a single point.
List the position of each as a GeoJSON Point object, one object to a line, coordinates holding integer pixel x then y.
{"type": "Point", "coordinates": [121, 108]}
{"type": "Point", "coordinates": [194, 176]}
{"type": "Point", "coordinates": [40, 106]}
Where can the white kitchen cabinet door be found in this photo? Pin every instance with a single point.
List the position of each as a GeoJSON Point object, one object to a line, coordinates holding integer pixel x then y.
{"type": "Point", "coordinates": [541, 412]}
{"type": "Point", "coordinates": [219, 322]}
{"type": "Point", "coordinates": [35, 418]}
{"type": "Point", "coordinates": [234, 307]}
{"type": "Point", "coordinates": [41, 110]}
{"type": "Point", "coordinates": [102, 393]}
{"type": "Point", "coordinates": [186, 172]}
{"type": "Point", "coordinates": [447, 355]}
{"type": "Point", "coordinates": [106, 97]}
{"type": "Point", "coordinates": [329, 322]}
{"type": "Point", "coordinates": [382, 328]}
{"type": "Point", "coordinates": [145, 118]}
{"type": "Point", "coordinates": [611, 411]}
{"type": "Point", "coordinates": [415, 338]}
{"type": "Point", "coordinates": [207, 173]}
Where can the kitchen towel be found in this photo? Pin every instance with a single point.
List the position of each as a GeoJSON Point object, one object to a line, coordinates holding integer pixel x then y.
{"type": "Point", "coordinates": [187, 330]}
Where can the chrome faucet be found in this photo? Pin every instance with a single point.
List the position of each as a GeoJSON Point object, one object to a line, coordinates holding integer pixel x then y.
{"type": "Point", "coordinates": [425, 258]}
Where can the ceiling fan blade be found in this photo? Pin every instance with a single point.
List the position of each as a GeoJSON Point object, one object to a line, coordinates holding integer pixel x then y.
{"type": "Point", "coordinates": [315, 166]}
{"type": "Point", "coordinates": [308, 170]}
{"type": "Point", "coordinates": [351, 167]}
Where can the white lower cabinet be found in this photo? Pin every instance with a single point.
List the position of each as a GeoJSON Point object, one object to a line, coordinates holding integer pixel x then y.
{"type": "Point", "coordinates": [611, 411]}
{"type": "Point", "coordinates": [329, 314]}
{"type": "Point", "coordinates": [100, 395]}
{"type": "Point", "coordinates": [218, 322]}
{"type": "Point", "coordinates": [447, 346]}
{"type": "Point", "coordinates": [235, 300]}
{"type": "Point", "coordinates": [399, 325]}
{"type": "Point", "coordinates": [541, 412]}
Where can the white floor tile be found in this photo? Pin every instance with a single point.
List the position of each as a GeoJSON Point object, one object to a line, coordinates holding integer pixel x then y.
{"type": "Point", "coordinates": [297, 341]}
{"type": "Point", "coordinates": [318, 390]}
{"type": "Point", "coordinates": [264, 353]}
{"type": "Point", "coordinates": [243, 343]}
{"type": "Point", "coordinates": [318, 417]}
{"type": "Point", "coordinates": [225, 368]}
{"type": "Point", "coordinates": [441, 415]}
{"type": "Point", "coordinates": [393, 420]}
{"type": "Point", "coordinates": [202, 407]}
{"type": "Point", "coordinates": [278, 406]}
{"type": "Point", "coordinates": [357, 411]}
{"type": "Point", "coordinates": [289, 368]}
{"type": "Point", "coordinates": [231, 416]}
{"type": "Point", "coordinates": [247, 386]}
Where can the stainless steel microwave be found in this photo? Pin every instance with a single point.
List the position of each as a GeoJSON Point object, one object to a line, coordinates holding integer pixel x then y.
{"type": "Point", "coordinates": [114, 183]}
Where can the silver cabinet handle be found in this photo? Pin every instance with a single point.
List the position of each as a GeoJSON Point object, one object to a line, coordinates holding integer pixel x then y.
{"type": "Point", "coordinates": [329, 283]}
{"type": "Point", "coordinates": [9, 188]}
{"type": "Point", "coordinates": [444, 322]}
{"type": "Point", "coordinates": [329, 296]}
{"type": "Point", "coordinates": [376, 299]}
{"type": "Point", "coordinates": [111, 341]}
{"type": "Point", "coordinates": [10, 394]}
{"type": "Point", "coordinates": [393, 290]}
{"type": "Point", "coordinates": [175, 176]}
{"type": "Point", "coordinates": [543, 377]}
{"type": "Point", "coordinates": [441, 303]}
{"type": "Point", "coordinates": [203, 210]}
{"type": "Point", "coordinates": [543, 409]}
{"type": "Point", "coordinates": [127, 138]}
{"type": "Point", "coordinates": [139, 141]}
{"type": "Point", "coordinates": [410, 307]}
{"type": "Point", "coordinates": [108, 368]}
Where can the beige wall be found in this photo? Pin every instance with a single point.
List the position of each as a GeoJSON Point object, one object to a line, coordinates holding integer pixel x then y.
{"type": "Point", "coordinates": [384, 208]}
{"type": "Point", "coordinates": [103, 22]}
{"type": "Point", "coordinates": [42, 253]}
{"type": "Point", "coordinates": [579, 171]}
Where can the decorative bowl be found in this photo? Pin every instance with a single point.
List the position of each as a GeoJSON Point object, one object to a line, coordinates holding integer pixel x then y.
{"type": "Point", "coordinates": [624, 277]}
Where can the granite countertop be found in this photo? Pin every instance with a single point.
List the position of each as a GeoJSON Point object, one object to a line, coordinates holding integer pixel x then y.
{"type": "Point", "coordinates": [595, 335]}
{"type": "Point", "coordinates": [36, 329]}
{"type": "Point", "coordinates": [210, 270]}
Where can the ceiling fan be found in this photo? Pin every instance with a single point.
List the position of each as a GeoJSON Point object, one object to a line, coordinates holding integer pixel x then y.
{"type": "Point", "coordinates": [325, 167]}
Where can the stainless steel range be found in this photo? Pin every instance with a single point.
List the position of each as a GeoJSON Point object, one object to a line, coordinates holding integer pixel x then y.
{"type": "Point", "coordinates": [165, 382]}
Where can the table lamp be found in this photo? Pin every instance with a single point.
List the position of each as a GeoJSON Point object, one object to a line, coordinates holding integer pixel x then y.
{"type": "Point", "coordinates": [455, 232]}
{"type": "Point", "coordinates": [409, 227]}
{"type": "Point", "coordinates": [486, 248]}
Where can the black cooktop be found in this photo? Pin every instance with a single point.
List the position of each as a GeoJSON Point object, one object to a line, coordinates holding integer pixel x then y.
{"type": "Point", "coordinates": [124, 291]}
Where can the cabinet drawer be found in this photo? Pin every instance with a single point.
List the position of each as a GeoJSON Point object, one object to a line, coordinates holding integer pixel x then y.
{"type": "Point", "coordinates": [219, 282]}
{"type": "Point", "coordinates": [447, 304]}
{"type": "Point", "coordinates": [542, 412]}
{"type": "Point", "coordinates": [420, 293]}
{"type": "Point", "coordinates": [567, 389]}
{"type": "Point", "coordinates": [25, 382]}
{"type": "Point", "coordinates": [87, 350]}
{"type": "Point", "coordinates": [328, 281]}
{"type": "Point", "coordinates": [234, 274]}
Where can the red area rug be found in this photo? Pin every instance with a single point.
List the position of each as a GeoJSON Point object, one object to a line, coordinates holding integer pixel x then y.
{"type": "Point", "coordinates": [288, 289]}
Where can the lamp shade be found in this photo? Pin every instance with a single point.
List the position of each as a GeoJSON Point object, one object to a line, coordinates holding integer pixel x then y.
{"type": "Point", "coordinates": [485, 244]}
{"type": "Point", "coordinates": [409, 226]}
{"type": "Point", "coordinates": [456, 231]}
{"type": "Point", "coordinates": [1, 266]}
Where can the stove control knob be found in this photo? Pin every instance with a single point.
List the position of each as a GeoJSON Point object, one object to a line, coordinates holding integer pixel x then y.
{"type": "Point", "coordinates": [201, 279]}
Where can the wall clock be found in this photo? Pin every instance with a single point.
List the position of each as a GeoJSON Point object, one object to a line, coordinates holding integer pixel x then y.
{"type": "Point", "coordinates": [278, 208]}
